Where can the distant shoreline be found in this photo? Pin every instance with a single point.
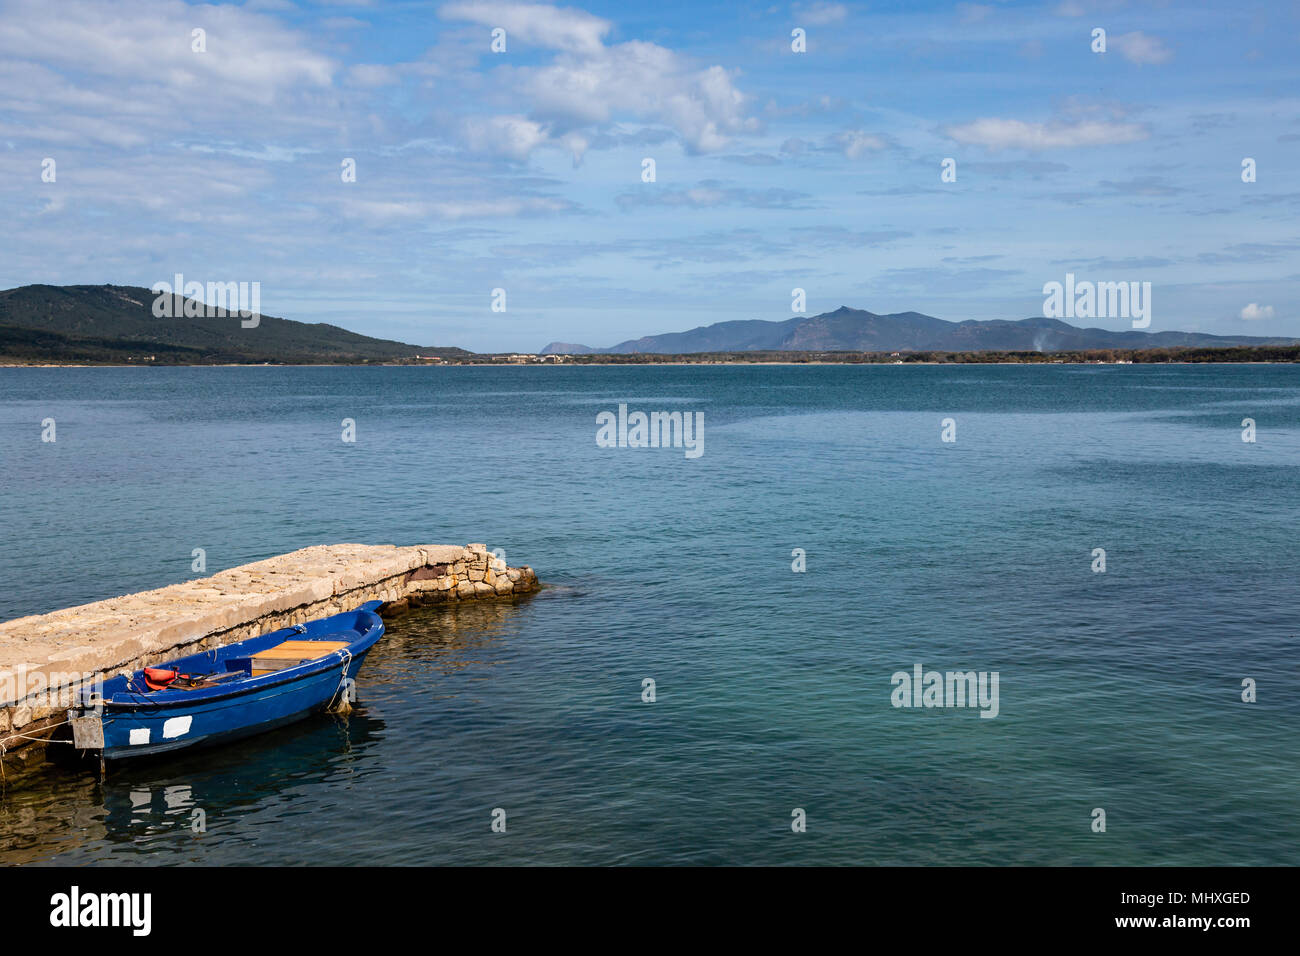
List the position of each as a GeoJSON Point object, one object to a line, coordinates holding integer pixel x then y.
{"type": "Point", "coordinates": [778, 364]}
{"type": "Point", "coordinates": [1190, 355]}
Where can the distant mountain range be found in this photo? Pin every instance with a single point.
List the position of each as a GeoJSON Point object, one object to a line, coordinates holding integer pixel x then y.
{"type": "Point", "coordinates": [116, 324]}
{"type": "Point", "coordinates": [108, 324]}
{"type": "Point", "coordinates": [857, 330]}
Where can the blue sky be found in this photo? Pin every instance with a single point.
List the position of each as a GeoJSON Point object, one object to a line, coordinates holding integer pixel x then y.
{"type": "Point", "coordinates": [522, 170]}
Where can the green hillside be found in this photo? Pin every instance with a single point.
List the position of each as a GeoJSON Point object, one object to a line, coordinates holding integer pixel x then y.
{"type": "Point", "coordinates": [116, 324]}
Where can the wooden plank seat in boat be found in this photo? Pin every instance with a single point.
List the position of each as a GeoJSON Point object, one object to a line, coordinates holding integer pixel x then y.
{"type": "Point", "coordinates": [291, 654]}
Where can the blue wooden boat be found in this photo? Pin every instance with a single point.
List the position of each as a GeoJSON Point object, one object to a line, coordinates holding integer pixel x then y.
{"type": "Point", "coordinates": [228, 692]}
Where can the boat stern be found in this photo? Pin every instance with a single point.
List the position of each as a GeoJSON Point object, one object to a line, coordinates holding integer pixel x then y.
{"type": "Point", "coordinates": [87, 729]}
{"type": "Point", "coordinates": [86, 718]}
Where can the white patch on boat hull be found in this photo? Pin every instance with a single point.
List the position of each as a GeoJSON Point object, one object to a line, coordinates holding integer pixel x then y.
{"type": "Point", "coordinates": [176, 726]}
{"type": "Point", "coordinates": [139, 735]}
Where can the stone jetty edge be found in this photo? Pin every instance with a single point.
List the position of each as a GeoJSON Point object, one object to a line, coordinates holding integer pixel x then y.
{"type": "Point", "coordinates": [45, 659]}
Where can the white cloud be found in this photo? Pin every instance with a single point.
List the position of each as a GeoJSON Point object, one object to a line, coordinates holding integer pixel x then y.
{"type": "Point", "coordinates": [1018, 134]}
{"type": "Point", "coordinates": [1256, 311]}
{"type": "Point", "coordinates": [820, 13]}
{"type": "Point", "coordinates": [206, 186]}
{"type": "Point", "coordinates": [249, 57]}
{"type": "Point", "coordinates": [265, 152]}
{"type": "Point", "coordinates": [261, 112]}
{"type": "Point", "coordinates": [508, 207]}
{"type": "Point", "coordinates": [856, 143]}
{"type": "Point", "coordinates": [385, 212]}
{"type": "Point", "coordinates": [555, 28]}
{"type": "Point", "coordinates": [512, 136]}
{"type": "Point", "coordinates": [1141, 48]}
{"type": "Point", "coordinates": [590, 84]}
{"type": "Point", "coordinates": [711, 193]}
{"type": "Point", "coordinates": [112, 73]}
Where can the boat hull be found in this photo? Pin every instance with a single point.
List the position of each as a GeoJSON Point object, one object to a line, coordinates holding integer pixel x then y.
{"type": "Point", "coordinates": [129, 723]}
{"type": "Point", "coordinates": [141, 733]}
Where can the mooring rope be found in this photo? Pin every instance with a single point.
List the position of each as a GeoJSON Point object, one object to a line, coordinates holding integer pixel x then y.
{"type": "Point", "coordinates": [343, 679]}
{"type": "Point", "coordinates": [4, 779]}
{"type": "Point", "coordinates": [26, 737]}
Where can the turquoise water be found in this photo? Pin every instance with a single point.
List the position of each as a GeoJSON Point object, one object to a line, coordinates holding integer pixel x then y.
{"type": "Point", "coordinates": [1119, 690]}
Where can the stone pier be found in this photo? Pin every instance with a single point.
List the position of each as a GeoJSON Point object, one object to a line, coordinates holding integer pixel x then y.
{"type": "Point", "coordinates": [45, 659]}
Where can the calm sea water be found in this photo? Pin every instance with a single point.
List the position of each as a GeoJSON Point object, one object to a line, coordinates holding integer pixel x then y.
{"type": "Point", "coordinates": [1120, 690]}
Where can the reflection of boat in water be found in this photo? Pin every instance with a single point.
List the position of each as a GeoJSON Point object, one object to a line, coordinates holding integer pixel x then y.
{"type": "Point", "coordinates": [158, 800]}
{"type": "Point", "coordinates": [149, 806]}
{"type": "Point", "coordinates": [228, 692]}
